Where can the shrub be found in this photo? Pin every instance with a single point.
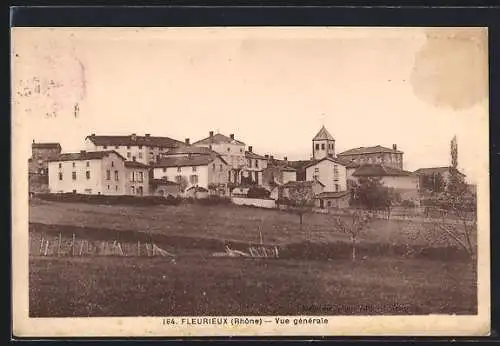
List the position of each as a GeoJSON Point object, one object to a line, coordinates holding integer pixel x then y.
{"type": "Point", "coordinates": [109, 200]}
{"type": "Point", "coordinates": [213, 200]}
{"type": "Point", "coordinates": [258, 192]}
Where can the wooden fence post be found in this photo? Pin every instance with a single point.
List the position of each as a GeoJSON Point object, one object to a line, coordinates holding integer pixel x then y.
{"type": "Point", "coordinates": [59, 245]}
{"type": "Point", "coordinates": [73, 245]}
{"type": "Point", "coordinates": [42, 241]}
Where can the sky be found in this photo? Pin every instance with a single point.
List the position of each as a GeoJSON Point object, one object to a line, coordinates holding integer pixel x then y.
{"type": "Point", "coordinates": [272, 87]}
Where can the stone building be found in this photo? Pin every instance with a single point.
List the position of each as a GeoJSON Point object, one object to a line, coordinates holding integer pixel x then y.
{"type": "Point", "coordinates": [374, 155]}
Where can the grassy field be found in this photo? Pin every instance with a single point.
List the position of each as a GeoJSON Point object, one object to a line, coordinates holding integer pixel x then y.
{"type": "Point", "coordinates": [195, 285]}
{"type": "Point", "coordinates": [226, 222]}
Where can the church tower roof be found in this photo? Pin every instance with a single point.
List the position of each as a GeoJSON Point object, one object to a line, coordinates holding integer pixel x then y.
{"type": "Point", "coordinates": [323, 134]}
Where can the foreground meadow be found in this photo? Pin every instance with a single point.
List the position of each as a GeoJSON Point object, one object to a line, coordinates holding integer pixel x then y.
{"type": "Point", "coordinates": [303, 281]}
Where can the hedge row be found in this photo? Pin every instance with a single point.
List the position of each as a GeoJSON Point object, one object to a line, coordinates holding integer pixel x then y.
{"type": "Point", "coordinates": [130, 200]}
{"type": "Point", "coordinates": [111, 200]}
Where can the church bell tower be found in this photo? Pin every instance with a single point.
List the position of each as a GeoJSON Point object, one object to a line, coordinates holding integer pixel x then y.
{"type": "Point", "coordinates": [323, 144]}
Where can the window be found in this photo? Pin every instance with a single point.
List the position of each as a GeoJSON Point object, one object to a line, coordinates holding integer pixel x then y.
{"type": "Point", "coordinates": [132, 190]}
{"type": "Point", "coordinates": [194, 168]}
{"type": "Point", "coordinates": [256, 163]}
{"type": "Point", "coordinates": [228, 149]}
{"type": "Point", "coordinates": [193, 179]}
{"type": "Point", "coordinates": [108, 175]}
{"type": "Point", "coordinates": [241, 150]}
{"type": "Point", "coordinates": [316, 170]}
{"type": "Point", "coordinates": [73, 175]}
{"type": "Point", "coordinates": [140, 155]}
{"type": "Point", "coordinates": [140, 147]}
{"type": "Point", "coordinates": [128, 146]}
{"type": "Point", "coordinates": [323, 146]}
{"type": "Point", "coordinates": [179, 169]}
{"type": "Point", "coordinates": [213, 167]}
{"type": "Point", "coordinates": [60, 165]}
{"type": "Point", "coordinates": [117, 147]}
{"type": "Point", "coordinates": [221, 168]}
{"type": "Point", "coordinates": [164, 169]}
{"type": "Point", "coordinates": [210, 147]}
{"type": "Point", "coordinates": [128, 154]}
{"type": "Point", "coordinates": [329, 203]}
{"type": "Point", "coordinates": [132, 176]}
{"type": "Point", "coordinates": [141, 177]}
{"type": "Point", "coordinates": [336, 187]}
{"type": "Point", "coordinates": [87, 174]}
{"type": "Point", "coordinates": [105, 147]}
{"type": "Point", "coordinates": [74, 164]}
{"type": "Point", "coordinates": [60, 176]}
{"type": "Point", "coordinates": [88, 164]}
{"type": "Point", "coordinates": [317, 146]}
{"type": "Point", "coordinates": [178, 179]}
{"type": "Point", "coordinates": [116, 175]}
{"type": "Point", "coordinates": [112, 163]}
{"type": "Point", "coordinates": [116, 187]}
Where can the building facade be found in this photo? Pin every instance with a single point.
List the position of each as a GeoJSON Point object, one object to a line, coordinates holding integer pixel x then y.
{"type": "Point", "coordinates": [98, 172]}
{"type": "Point", "coordinates": [203, 171]}
{"type": "Point", "coordinates": [404, 182]}
{"type": "Point", "coordinates": [255, 166]}
{"type": "Point", "coordinates": [145, 149]}
{"type": "Point", "coordinates": [374, 155]}
{"type": "Point", "coordinates": [38, 174]}
{"type": "Point", "coordinates": [330, 172]}
{"type": "Point", "coordinates": [432, 172]}
{"type": "Point", "coordinates": [231, 150]}
{"type": "Point", "coordinates": [138, 178]}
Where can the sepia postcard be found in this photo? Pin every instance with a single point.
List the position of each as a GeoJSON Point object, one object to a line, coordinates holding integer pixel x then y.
{"type": "Point", "coordinates": [250, 181]}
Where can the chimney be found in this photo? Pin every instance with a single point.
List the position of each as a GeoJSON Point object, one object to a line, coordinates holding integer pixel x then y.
{"type": "Point", "coordinates": [82, 152]}
{"type": "Point", "coordinates": [266, 156]}
{"type": "Point", "coordinates": [133, 136]}
{"type": "Point", "coordinates": [147, 135]}
{"type": "Point", "coordinates": [187, 141]}
{"type": "Point", "coordinates": [211, 134]}
{"type": "Point", "coordinates": [231, 135]}
{"type": "Point", "coordinates": [271, 157]}
{"type": "Point", "coordinates": [33, 141]}
{"type": "Point", "coordinates": [394, 147]}
{"type": "Point", "coordinates": [250, 149]}
{"type": "Point", "coordinates": [92, 135]}
{"type": "Point", "coordinates": [285, 158]}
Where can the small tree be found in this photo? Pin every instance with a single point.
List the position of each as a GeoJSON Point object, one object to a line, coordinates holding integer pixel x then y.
{"type": "Point", "coordinates": [182, 181]}
{"type": "Point", "coordinates": [433, 182]}
{"type": "Point", "coordinates": [353, 226]}
{"type": "Point", "coordinates": [370, 193]}
{"type": "Point", "coordinates": [301, 201]}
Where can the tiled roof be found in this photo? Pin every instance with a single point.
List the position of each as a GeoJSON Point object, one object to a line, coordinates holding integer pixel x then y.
{"type": "Point", "coordinates": [252, 155]}
{"type": "Point", "coordinates": [308, 183]}
{"type": "Point", "coordinates": [195, 160]}
{"type": "Point", "coordinates": [332, 194]}
{"type": "Point", "coordinates": [374, 170]}
{"type": "Point", "coordinates": [46, 146]}
{"type": "Point", "coordinates": [86, 155]}
{"type": "Point", "coordinates": [435, 170]}
{"type": "Point", "coordinates": [323, 134]}
{"type": "Point", "coordinates": [314, 162]}
{"type": "Point", "coordinates": [369, 150]}
{"type": "Point", "coordinates": [218, 138]}
{"type": "Point", "coordinates": [191, 149]}
{"type": "Point", "coordinates": [197, 188]}
{"type": "Point", "coordinates": [151, 141]}
{"type": "Point", "coordinates": [163, 181]}
{"type": "Point", "coordinates": [135, 164]}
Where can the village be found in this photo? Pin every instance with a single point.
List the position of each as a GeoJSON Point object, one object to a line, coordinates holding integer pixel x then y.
{"type": "Point", "coordinates": [223, 166]}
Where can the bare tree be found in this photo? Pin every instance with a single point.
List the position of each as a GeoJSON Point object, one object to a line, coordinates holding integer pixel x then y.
{"type": "Point", "coordinates": [300, 200]}
{"type": "Point", "coordinates": [353, 226]}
